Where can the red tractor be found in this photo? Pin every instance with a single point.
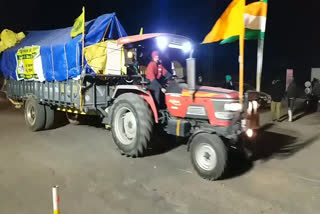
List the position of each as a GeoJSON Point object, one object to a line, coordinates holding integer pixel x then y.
{"type": "Point", "coordinates": [211, 118]}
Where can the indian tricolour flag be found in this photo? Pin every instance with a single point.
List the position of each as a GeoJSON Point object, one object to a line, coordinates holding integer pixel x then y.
{"type": "Point", "coordinates": [255, 19]}
{"type": "Point", "coordinates": [225, 29]}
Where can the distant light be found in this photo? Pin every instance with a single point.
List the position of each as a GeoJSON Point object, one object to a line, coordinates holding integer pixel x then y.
{"type": "Point", "coordinates": [162, 42]}
{"type": "Point", "coordinates": [186, 47]}
{"type": "Point", "coordinates": [249, 133]}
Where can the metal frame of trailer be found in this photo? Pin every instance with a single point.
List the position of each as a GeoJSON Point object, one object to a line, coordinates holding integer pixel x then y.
{"type": "Point", "coordinates": [97, 92]}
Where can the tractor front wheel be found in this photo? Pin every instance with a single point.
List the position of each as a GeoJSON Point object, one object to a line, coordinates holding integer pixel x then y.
{"type": "Point", "coordinates": [208, 156]}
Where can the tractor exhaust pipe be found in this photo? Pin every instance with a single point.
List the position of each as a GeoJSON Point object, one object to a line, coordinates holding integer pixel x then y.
{"type": "Point", "coordinates": [191, 72]}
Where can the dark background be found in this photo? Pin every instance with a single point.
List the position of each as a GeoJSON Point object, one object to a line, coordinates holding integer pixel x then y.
{"type": "Point", "coordinates": [292, 34]}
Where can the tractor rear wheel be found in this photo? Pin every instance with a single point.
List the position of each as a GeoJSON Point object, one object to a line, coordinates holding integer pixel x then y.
{"type": "Point", "coordinates": [208, 156]}
{"type": "Point", "coordinates": [132, 124]}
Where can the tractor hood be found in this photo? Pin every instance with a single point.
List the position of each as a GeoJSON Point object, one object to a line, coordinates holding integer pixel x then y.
{"type": "Point", "coordinates": [212, 92]}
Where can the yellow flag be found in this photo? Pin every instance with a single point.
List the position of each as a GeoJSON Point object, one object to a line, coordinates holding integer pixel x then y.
{"type": "Point", "coordinates": [229, 24]}
{"type": "Point", "coordinates": [9, 39]}
{"type": "Point", "coordinates": [78, 26]}
{"type": "Point", "coordinates": [141, 31]}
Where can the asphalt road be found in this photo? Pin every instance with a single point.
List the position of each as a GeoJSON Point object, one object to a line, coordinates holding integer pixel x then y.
{"type": "Point", "coordinates": [94, 178]}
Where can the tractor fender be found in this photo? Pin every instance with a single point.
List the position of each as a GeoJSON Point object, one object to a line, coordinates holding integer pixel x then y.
{"type": "Point", "coordinates": [195, 134]}
{"type": "Point", "coordinates": [148, 98]}
{"type": "Point", "coordinates": [146, 95]}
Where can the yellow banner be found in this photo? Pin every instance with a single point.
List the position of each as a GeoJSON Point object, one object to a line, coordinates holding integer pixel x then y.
{"type": "Point", "coordinates": [25, 62]}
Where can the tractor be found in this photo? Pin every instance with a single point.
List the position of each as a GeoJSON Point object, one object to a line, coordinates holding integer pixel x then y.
{"type": "Point", "coordinates": [212, 120]}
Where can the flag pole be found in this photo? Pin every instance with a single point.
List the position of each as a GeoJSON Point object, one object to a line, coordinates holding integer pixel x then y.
{"type": "Point", "coordinates": [259, 63]}
{"type": "Point", "coordinates": [260, 57]}
{"type": "Point", "coordinates": [82, 60]}
{"type": "Point", "coordinates": [241, 56]}
{"type": "Point", "coordinates": [83, 37]}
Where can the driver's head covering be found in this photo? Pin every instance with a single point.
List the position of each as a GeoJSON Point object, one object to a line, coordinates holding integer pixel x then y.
{"type": "Point", "coordinates": [154, 54]}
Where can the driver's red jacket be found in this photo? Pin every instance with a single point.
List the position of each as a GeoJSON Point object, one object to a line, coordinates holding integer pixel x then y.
{"type": "Point", "coordinates": [155, 71]}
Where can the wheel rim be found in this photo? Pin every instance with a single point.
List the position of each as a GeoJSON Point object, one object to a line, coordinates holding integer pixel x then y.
{"type": "Point", "coordinates": [31, 114]}
{"type": "Point", "coordinates": [206, 157]}
{"type": "Point", "coordinates": [125, 126]}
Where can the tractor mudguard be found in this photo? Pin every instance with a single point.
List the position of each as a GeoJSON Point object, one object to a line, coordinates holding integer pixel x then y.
{"type": "Point", "coordinates": [148, 98]}
{"type": "Point", "coordinates": [146, 95]}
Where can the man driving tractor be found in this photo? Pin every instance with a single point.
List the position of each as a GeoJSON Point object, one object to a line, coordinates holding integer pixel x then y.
{"type": "Point", "coordinates": [158, 76]}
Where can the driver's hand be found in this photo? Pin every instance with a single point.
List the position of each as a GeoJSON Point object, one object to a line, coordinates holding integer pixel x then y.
{"type": "Point", "coordinates": [163, 90]}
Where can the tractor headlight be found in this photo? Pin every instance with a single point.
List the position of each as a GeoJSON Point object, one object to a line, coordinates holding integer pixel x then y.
{"type": "Point", "coordinates": [249, 133]}
{"type": "Point", "coordinates": [233, 107]}
{"type": "Point", "coordinates": [186, 47]}
{"type": "Point", "coordinates": [162, 42]}
{"type": "Point", "coordinates": [224, 115]}
{"type": "Point", "coordinates": [130, 54]}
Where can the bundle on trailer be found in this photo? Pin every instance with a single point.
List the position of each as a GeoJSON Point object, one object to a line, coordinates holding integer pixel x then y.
{"type": "Point", "coordinates": [49, 66]}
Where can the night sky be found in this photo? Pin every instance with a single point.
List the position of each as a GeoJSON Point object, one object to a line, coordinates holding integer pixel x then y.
{"type": "Point", "coordinates": [292, 35]}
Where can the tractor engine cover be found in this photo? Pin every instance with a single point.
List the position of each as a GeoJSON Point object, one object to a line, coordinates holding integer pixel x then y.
{"type": "Point", "coordinates": [179, 128]}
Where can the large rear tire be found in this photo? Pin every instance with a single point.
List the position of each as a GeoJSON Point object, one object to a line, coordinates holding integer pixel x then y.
{"type": "Point", "coordinates": [209, 156]}
{"type": "Point", "coordinates": [49, 117]}
{"type": "Point", "coordinates": [132, 124]}
{"type": "Point", "coordinates": [34, 114]}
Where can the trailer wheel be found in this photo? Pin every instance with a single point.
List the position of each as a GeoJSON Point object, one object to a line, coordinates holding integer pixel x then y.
{"type": "Point", "coordinates": [34, 114]}
{"type": "Point", "coordinates": [132, 124]}
{"type": "Point", "coordinates": [49, 117]}
{"type": "Point", "coordinates": [208, 156]}
{"type": "Point", "coordinates": [73, 119]}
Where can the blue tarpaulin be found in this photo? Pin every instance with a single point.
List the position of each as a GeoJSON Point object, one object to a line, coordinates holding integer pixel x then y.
{"type": "Point", "coordinates": [60, 54]}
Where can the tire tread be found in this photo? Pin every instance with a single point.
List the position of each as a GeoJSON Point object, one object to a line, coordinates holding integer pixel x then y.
{"type": "Point", "coordinates": [40, 117]}
{"type": "Point", "coordinates": [221, 152]}
{"type": "Point", "coordinates": [145, 118]}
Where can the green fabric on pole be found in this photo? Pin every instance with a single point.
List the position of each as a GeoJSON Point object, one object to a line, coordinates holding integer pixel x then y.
{"type": "Point", "coordinates": [229, 40]}
{"type": "Point", "coordinates": [254, 34]}
{"type": "Point", "coordinates": [249, 35]}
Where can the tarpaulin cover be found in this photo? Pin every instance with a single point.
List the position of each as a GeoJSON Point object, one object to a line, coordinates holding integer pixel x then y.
{"type": "Point", "coordinates": [60, 54]}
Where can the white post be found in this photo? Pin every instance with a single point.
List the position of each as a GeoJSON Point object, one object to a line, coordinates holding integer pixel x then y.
{"type": "Point", "coordinates": [259, 63]}
{"type": "Point", "coordinates": [55, 200]}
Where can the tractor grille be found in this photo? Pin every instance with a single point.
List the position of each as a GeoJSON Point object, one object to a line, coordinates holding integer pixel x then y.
{"type": "Point", "coordinates": [219, 103]}
{"type": "Point", "coordinates": [220, 113]}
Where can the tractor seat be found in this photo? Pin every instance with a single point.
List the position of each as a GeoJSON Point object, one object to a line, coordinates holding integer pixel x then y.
{"type": "Point", "coordinates": [182, 83]}
{"type": "Point", "coordinates": [180, 80]}
{"type": "Point", "coordinates": [176, 87]}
